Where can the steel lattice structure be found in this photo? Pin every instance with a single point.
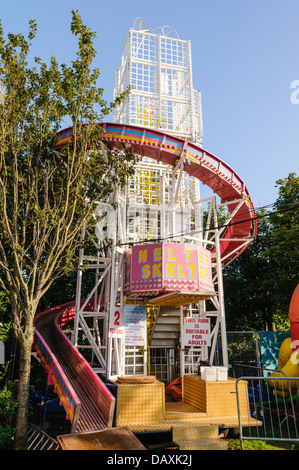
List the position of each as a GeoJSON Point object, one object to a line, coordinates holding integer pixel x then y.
{"type": "Point", "coordinates": [157, 64]}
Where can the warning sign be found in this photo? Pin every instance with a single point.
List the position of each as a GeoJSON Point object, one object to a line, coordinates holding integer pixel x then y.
{"type": "Point", "coordinates": [197, 331]}
{"type": "Point", "coordinates": [116, 322]}
{"type": "Point", "coordinates": [135, 333]}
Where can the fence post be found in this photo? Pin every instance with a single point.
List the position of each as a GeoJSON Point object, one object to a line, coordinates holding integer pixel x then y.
{"type": "Point", "coordinates": [2, 353]}
{"type": "Point", "coordinates": [239, 414]}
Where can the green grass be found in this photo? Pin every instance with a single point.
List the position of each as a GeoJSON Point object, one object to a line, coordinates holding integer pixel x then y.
{"type": "Point", "coordinates": [234, 444]}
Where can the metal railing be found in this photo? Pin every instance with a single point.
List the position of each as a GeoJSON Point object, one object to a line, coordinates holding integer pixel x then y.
{"type": "Point", "coordinates": [273, 403]}
{"type": "Point", "coordinates": [164, 363]}
{"type": "Point", "coordinates": [39, 440]}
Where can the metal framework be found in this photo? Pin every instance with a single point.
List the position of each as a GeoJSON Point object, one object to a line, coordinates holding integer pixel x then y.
{"type": "Point", "coordinates": [160, 203]}
{"type": "Point", "coordinates": [157, 64]}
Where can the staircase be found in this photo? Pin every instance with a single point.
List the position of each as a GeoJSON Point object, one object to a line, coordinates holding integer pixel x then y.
{"type": "Point", "coordinates": [198, 438]}
{"type": "Point", "coordinates": [166, 328]}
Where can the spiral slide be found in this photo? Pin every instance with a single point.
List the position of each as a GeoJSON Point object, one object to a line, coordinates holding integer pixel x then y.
{"type": "Point", "coordinates": [288, 359]}
{"type": "Point", "coordinates": [88, 403]}
{"type": "Point", "coordinates": [201, 164]}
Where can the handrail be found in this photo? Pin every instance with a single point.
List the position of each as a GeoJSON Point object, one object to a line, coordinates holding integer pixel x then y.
{"type": "Point", "coordinates": [107, 412]}
{"type": "Point", "coordinates": [84, 396]}
{"type": "Point", "coordinates": [39, 440]}
{"type": "Point", "coordinates": [56, 377]}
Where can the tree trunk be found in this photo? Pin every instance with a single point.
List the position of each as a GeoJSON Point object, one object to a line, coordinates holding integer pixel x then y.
{"type": "Point", "coordinates": [23, 391]}
{"type": "Point", "coordinates": [270, 323]}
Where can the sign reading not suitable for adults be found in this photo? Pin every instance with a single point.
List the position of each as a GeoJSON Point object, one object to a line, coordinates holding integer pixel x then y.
{"type": "Point", "coordinates": [197, 331]}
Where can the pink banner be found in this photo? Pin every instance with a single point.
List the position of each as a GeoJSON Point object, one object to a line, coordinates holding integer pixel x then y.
{"type": "Point", "coordinates": [167, 267]}
{"type": "Point", "coordinates": [180, 267]}
{"type": "Point", "coordinates": [146, 267]}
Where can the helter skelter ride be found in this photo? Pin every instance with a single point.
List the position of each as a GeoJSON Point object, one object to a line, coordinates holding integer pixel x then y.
{"type": "Point", "coordinates": [157, 303]}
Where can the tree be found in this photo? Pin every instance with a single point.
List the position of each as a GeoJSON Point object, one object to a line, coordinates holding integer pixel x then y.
{"type": "Point", "coordinates": [248, 300]}
{"type": "Point", "coordinates": [284, 250]}
{"type": "Point", "coordinates": [46, 197]}
{"type": "Point", "coordinates": [260, 283]}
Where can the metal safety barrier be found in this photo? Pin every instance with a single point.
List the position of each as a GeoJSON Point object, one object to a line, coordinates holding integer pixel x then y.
{"type": "Point", "coordinates": [274, 403]}
{"type": "Point", "coordinates": [39, 440]}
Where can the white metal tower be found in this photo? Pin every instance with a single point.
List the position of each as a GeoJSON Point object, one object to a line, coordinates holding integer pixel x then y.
{"type": "Point", "coordinates": [157, 64]}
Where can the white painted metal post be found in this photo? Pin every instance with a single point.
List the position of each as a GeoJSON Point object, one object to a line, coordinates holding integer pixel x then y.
{"type": "Point", "coordinates": [78, 290]}
{"type": "Point", "coordinates": [110, 306]}
{"type": "Point", "coordinates": [220, 292]}
{"type": "Point", "coordinates": [182, 349]}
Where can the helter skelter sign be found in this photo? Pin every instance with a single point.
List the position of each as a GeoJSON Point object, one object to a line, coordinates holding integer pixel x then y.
{"type": "Point", "coordinates": [168, 267]}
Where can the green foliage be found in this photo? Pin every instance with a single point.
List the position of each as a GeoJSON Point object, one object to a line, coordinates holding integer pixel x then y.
{"type": "Point", "coordinates": [260, 283]}
{"type": "Point", "coordinates": [5, 317]}
{"type": "Point", "coordinates": [8, 409]}
{"type": "Point", "coordinates": [284, 250]}
{"type": "Point", "coordinates": [6, 333]}
{"type": "Point", "coordinates": [235, 444]}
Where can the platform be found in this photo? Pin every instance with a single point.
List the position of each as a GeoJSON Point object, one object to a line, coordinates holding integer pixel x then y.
{"type": "Point", "coordinates": [142, 407]}
{"type": "Point", "coordinates": [185, 420]}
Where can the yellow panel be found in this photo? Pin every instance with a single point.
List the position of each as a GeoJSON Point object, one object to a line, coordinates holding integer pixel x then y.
{"type": "Point", "coordinates": [139, 403]}
{"type": "Point", "coordinates": [203, 420]}
{"type": "Point", "coordinates": [215, 398]}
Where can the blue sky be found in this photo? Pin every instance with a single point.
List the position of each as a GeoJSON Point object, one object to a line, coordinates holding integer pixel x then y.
{"type": "Point", "coordinates": [245, 56]}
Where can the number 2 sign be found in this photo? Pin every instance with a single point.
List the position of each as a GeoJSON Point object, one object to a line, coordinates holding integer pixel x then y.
{"type": "Point", "coordinates": [116, 322]}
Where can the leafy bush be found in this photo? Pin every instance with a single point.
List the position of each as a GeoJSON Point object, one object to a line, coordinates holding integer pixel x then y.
{"type": "Point", "coordinates": [8, 410]}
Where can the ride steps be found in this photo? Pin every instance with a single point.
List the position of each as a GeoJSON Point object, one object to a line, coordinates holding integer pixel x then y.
{"type": "Point", "coordinates": [167, 328]}
{"type": "Point", "coordinates": [198, 438]}
{"type": "Point", "coordinates": [202, 444]}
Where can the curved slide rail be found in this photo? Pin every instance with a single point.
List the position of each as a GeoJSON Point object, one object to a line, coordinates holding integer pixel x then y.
{"type": "Point", "coordinates": [201, 164]}
{"type": "Point", "coordinates": [89, 405]}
